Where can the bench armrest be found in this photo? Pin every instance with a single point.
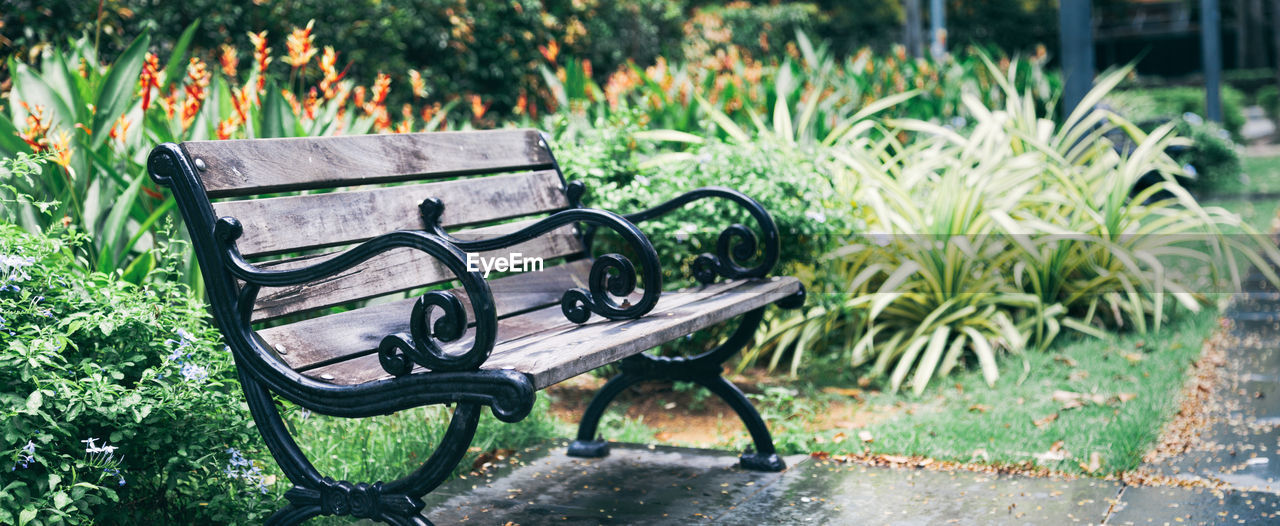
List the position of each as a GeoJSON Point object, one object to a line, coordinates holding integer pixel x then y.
{"type": "Point", "coordinates": [612, 275]}
{"type": "Point", "coordinates": [736, 242]}
{"type": "Point", "coordinates": [397, 352]}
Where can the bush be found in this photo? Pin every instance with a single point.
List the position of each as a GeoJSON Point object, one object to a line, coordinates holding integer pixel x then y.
{"type": "Point", "coordinates": [119, 402]}
{"type": "Point", "coordinates": [1212, 154]}
{"type": "Point", "coordinates": [999, 239]}
{"type": "Point", "coordinates": [786, 181]}
{"type": "Point", "coordinates": [760, 30]}
{"type": "Point", "coordinates": [1269, 99]}
{"type": "Point", "coordinates": [1152, 106]}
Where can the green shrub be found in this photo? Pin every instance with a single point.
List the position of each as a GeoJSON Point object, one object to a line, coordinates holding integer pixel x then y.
{"type": "Point", "coordinates": [119, 402]}
{"type": "Point", "coordinates": [760, 30]}
{"type": "Point", "coordinates": [1212, 153]}
{"type": "Point", "coordinates": [1000, 238]}
{"type": "Point", "coordinates": [1151, 106]}
{"type": "Point", "coordinates": [787, 181]}
{"type": "Point", "coordinates": [1269, 98]}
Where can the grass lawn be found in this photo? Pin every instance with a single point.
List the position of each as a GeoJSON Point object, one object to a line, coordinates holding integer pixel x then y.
{"type": "Point", "coordinates": [1083, 396]}
{"type": "Point", "coordinates": [1261, 175]}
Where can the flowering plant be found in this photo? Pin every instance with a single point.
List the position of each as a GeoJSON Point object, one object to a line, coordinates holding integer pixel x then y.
{"type": "Point", "coordinates": [117, 399]}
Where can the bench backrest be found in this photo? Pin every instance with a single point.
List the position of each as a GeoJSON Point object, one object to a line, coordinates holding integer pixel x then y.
{"type": "Point", "coordinates": [344, 190]}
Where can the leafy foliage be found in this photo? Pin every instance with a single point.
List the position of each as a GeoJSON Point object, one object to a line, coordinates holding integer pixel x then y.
{"type": "Point", "coordinates": [1000, 238]}
{"type": "Point", "coordinates": [118, 401]}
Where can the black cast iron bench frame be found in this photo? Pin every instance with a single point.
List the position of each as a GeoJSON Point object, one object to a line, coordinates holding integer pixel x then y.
{"type": "Point", "coordinates": [421, 371]}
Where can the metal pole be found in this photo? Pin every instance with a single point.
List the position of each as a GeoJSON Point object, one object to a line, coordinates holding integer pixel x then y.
{"type": "Point", "coordinates": [1211, 55]}
{"type": "Point", "coordinates": [911, 33]}
{"type": "Point", "coordinates": [1075, 27]}
{"type": "Point", "coordinates": [938, 28]}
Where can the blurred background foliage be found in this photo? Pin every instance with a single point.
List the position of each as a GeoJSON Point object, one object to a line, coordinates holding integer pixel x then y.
{"type": "Point", "coordinates": [451, 41]}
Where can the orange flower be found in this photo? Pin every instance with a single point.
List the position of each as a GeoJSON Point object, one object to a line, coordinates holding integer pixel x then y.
{"type": "Point", "coordinates": [261, 56]}
{"type": "Point", "coordinates": [312, 104]}
{"type": "Point", "coordinates": [226, 128]}
{"type": "Point", "coordinates": [119, 129]}
{"type": "Point", "coordinates": [169, 103]}
{"type": "Point", "coordinates": [478, 107]}
{"type": "Point", "coordinates": [292, 100]}
{"type": "Point", "coordinates": [381, 121]}
{"type": "Point", "coordinates": [196, 89]}
{"type": "Point", "coordinates": [328, 66]}
{"type": "Point", "coordinates": [381, 86]}
{"type": "Point", "coordinates": [34, 135]}
{"type": "Point", "coordinates": [428, 112]}
{"type": "Point", "coordinates": [419, 85]}
{"type": "Point", "coordinates": [550, 51]}
{"type": "Point", "coordinates": [359, 94]}
{"type": "Point", "coordinates": [522, 103]}
{"type": "Point", "coordinates": [586, 67]}
{"type": "Point", "coordinates": [240, 103]}
{"type": "Point", "coordinates": [229, 61]}
{"type": "Point", "coordinates": [150, 78]}
{"type": "Point", "coordinates": [61, 147]}
{"type": "Point", "coordinates": [300, 44]}
{"type": "Point", "coordinates": [406, 125]}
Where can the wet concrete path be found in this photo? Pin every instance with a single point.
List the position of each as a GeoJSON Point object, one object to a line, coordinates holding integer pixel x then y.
{"type": "Point", "coordinates": [665, 485]}
{"type": "Point", "coordinates": [1238, 451]}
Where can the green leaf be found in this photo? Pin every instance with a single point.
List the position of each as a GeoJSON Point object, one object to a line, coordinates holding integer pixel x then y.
{"type": "Point", "coordinates": [34, 401]}
{"type": "Point", "coordinates": [275, 113]}
{"type": "Point", "coordinates": [26, 515]}
{"type": "Point", "coordinates": [118, 90]}
{"type": "Point", "coordinates": [173, 69]}
{"type": "Point", "coordinates": [113, 228]}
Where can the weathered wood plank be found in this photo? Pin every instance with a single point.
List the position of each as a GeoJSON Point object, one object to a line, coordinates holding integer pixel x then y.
{"type": "Point", "coordinates": [284, 224]}
{"type": "Point", "coordinates": [354, 333]}
{"type": "Point", "coordinates": [559, 350]}
{"type": "Point", "coordinates": [260, 166]}
{"type": "Point", "coordinates": [394, 271]}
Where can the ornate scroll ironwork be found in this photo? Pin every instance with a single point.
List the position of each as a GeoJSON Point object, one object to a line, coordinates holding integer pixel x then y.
{"type": "Point", "coordinates": [736, 243]}
{"type": "Point", "coordinates": [612, 275]}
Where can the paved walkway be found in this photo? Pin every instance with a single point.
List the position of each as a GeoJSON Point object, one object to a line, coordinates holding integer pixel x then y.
{"type": "Point", "coordinates": [663, 485]}
{"type": "Point", "coordinates": [1240, 450]}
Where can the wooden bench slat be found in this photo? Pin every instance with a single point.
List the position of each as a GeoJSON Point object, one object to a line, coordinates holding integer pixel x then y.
{"type": "Point", "coordinates": [358, 332]}
{"type": "Point", "coordinates": [551, 349]}
{"type": "Point", "coordinates": [260, 166]}
{"type": "Point", "coordinates": [284, 224]}
{"type": "Point", "coordinates": [396, 270]}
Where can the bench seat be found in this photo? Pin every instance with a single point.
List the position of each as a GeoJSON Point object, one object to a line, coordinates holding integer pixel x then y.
{"type": "Point", "coordinates": [540, 343]}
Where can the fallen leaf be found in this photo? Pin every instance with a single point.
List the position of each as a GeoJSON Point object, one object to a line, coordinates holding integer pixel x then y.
{"type": "Point", "coordinates": [1125, 397]}
{"type": "Point", "coordinates": [865, 436]}
{"type": "Point", "coordinates": [669, 406]}
{"type": "Point", "coordinates": [896, 459]}
{"type": "Point", "coordinates": [1066, 360]}
{"type": "Point", "coordinates": [979, 408]}
{"type": "Point", "coordinates": [662, 435]}
{"type": "Point", "coordinates": [838, 438]}
{"type": "Point", "coordinates": [1046, 420]}
{"type": "Point", "coordinates": [1095, 463]}
{"type": "Point", "coordinates": [1134, 357]}
{"type": "Point", "coordinates": [850, 392]}
{"type": "Point", "coordinates": [1077, 375]}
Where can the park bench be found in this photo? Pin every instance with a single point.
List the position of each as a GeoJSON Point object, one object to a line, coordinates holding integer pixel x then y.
{"type": "Point", "coordinates": [286, 229]}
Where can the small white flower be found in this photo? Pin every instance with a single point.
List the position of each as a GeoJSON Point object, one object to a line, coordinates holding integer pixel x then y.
{"type": "Point", "coordinates": [90, 445]}
{"type": "Point", "coordinates": [816, 215]}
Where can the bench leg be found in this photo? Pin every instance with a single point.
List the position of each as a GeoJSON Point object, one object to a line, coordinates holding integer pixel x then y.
{"type": "Point", "coordinates": [397, 502]}
{"type": "Point", "coordinates": [704, 369]}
